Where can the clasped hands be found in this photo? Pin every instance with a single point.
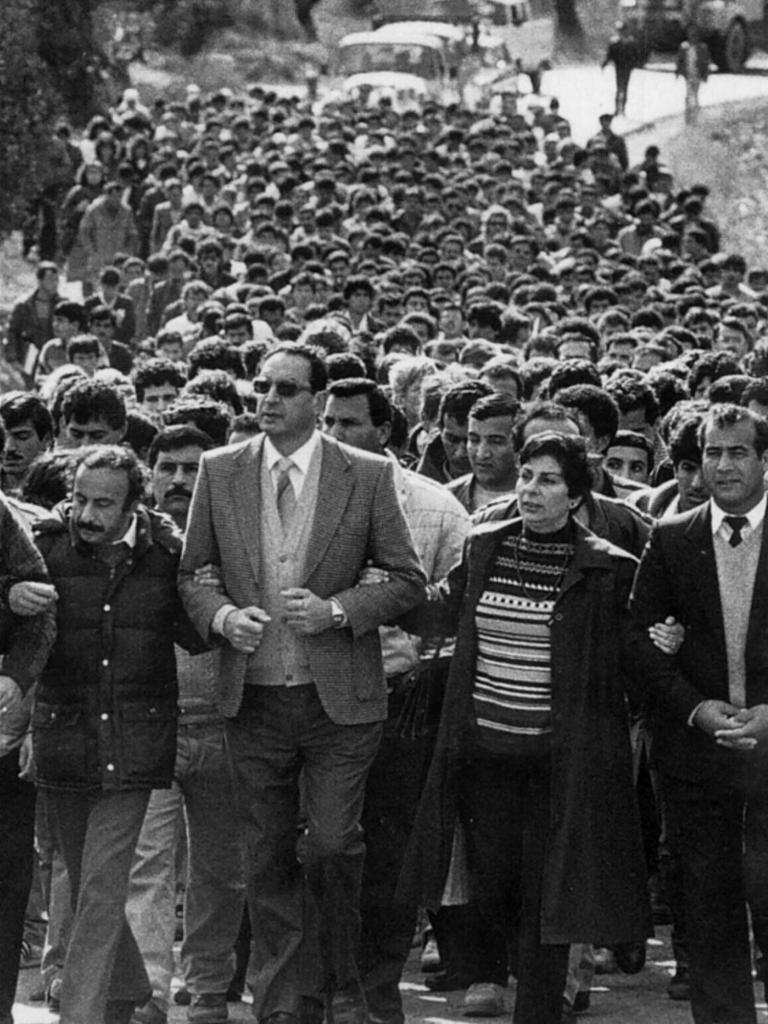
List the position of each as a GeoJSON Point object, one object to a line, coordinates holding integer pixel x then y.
{"type": "Point", "coordinates": [303, 612]}
{"type": "Point", "coordinates": [732, 727]}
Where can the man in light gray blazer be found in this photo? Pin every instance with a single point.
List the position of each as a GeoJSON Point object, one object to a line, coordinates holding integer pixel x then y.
{"type": "Point", "coordinates": [291, 518]}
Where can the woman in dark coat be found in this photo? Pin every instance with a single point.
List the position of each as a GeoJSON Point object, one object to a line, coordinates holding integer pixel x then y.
{"type": "Point", "coordinates": [533, 755]}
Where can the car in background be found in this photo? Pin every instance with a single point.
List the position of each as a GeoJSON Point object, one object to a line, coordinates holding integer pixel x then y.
{"type": "Point", "coordinates": [412, 62]}
{"type": "Point", "coordinates": [407, 68]}
{"type": "Point", "coordinates": [527, 27]}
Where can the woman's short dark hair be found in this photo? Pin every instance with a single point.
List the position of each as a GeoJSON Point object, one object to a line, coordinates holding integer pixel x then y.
{"type": "Point", "coordinates": [569, 452]}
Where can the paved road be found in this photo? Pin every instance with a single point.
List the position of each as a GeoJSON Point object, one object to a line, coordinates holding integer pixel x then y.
{"type": "Point", "coordinates": [615, 998]}
{"type": "Point", "coordinates": [654, 93]}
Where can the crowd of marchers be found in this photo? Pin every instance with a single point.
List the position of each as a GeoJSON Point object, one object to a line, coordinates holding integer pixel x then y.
{"type": "Point", "coordinates": [384, 553]}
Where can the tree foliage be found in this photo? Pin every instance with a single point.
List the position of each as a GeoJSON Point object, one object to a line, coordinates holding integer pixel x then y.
{"type": "Point", "coordinates": [568, 21]}
{"type": "Point", "coordinates": [28, 106]}
{"type": "Point", "coordinates": [77, 67]}
{"type": "Point", "coordinates": [187, 25]}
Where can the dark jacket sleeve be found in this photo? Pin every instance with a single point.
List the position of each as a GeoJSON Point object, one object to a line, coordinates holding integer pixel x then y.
{"type": "Point", "coordinates": [652, 601]}
{"type": "Point", "coordinates": [438, 614]}
{"type": "Point", "coordinates": [26, 640]}
{"type": "Point", "coordinates": [18, 329]}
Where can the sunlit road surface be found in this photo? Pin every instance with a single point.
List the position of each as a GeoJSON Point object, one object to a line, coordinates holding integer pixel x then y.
{"type": "Point", "coordinates": [585, 92]}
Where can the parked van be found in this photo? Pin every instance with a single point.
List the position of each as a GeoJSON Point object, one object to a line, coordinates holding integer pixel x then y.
{"type": "Point", "coordinates": [408, 67]}
{"type": "Point", "coordinates": [527, 27]}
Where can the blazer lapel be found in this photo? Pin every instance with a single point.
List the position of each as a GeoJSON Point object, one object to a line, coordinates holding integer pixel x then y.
{"type": "Point", "coordinates": [245, 486]}
{"type": "Point", "coordinates": [333, 493]}
{"type": "Point", "coordinates": [758, 612]}
{"type": "Point", "coordinates": [698, 533]}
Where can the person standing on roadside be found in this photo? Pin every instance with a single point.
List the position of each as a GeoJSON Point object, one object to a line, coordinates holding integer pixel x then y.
{"type": "Point", "coordinates": [624, 53]}
{"type": "Point", "coordinates": [693, 59]}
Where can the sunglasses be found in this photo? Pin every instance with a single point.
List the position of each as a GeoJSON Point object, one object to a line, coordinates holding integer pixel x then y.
{"type": "Point", "coordinates": [283, 388]}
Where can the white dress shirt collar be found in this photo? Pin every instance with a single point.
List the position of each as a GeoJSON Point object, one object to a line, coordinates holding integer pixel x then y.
{"type": "Point", "coordinates": [755, 516]}
{"type": "Point", "coordinates": [301, 460]}
{"type": "Point", "coordinates": [129, 537]}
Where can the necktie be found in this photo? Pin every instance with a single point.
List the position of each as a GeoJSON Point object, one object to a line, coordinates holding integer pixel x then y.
{"type": "Point", "coordinates": [737, 524]}
{"type": "Point", "coordinates": [286, 497]}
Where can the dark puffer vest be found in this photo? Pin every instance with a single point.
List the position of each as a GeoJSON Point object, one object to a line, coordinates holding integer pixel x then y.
{"type": "Point", "coordinates": [105, 710]}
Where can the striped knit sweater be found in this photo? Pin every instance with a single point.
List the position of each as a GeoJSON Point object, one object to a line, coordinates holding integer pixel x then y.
{"type": "Point", "coordinates": [512, 688]}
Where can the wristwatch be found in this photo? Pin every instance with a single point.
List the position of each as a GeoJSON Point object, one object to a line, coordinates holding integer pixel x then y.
{"type": "Point", "coordinates": [338, 615]}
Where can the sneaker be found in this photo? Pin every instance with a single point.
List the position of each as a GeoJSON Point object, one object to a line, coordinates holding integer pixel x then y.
{"type": "Point", "coordinates": [208, 1008]}
{"type": "Point", "coordinates": [149, 1013]}
{"type": "Point", "coordinates": [679, 987]}
{"type": "Point", "coordinates": [31, 955]}
{"type": "Point", "coordinates": [484, 999]}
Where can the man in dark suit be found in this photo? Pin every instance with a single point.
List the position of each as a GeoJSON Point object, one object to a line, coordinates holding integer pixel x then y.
{"type": "Point", "coordinates": [291, 518]}
{"type": "Point", "coordinates": [709, 568]}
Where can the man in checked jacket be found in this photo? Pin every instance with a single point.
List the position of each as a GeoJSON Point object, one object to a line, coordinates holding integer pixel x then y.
{"type": "Point", "coordinates": [291, 518]}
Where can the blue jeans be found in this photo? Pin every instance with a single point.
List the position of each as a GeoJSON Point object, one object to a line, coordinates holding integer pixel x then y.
{"type": "Point", "coordinates": [303, 897]}
{"type": "Point", "coordinates": [97, 833]}
{"type": "Point", "coordinates": [203, 794]}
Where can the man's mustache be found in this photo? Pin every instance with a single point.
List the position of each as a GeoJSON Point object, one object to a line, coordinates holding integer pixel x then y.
{"type": "Point", "coordinates": [92, 527]}
{"type": "Point", "coordinates": [178, 491]}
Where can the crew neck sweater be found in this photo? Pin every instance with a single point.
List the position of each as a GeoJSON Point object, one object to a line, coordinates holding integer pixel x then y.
{"type": "Point", "coordinates": [513, 685]}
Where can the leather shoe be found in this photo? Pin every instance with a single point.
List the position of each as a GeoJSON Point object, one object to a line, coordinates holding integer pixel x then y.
{"type": "Point", "coordinates": [208, 1008]}
{"type": "Point", "coordinates": [279, 1017]}
{"type": "Point", "coordinates": [448, 981]}
{"type": "Point", "coordinates": [679, 987]}
{"type": "Point", "coordinates": [120, 1011]}
{"type": "Point", "coordinates": [630, 957]}
{"type": "Point", "coordinates": [581, 1002]}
